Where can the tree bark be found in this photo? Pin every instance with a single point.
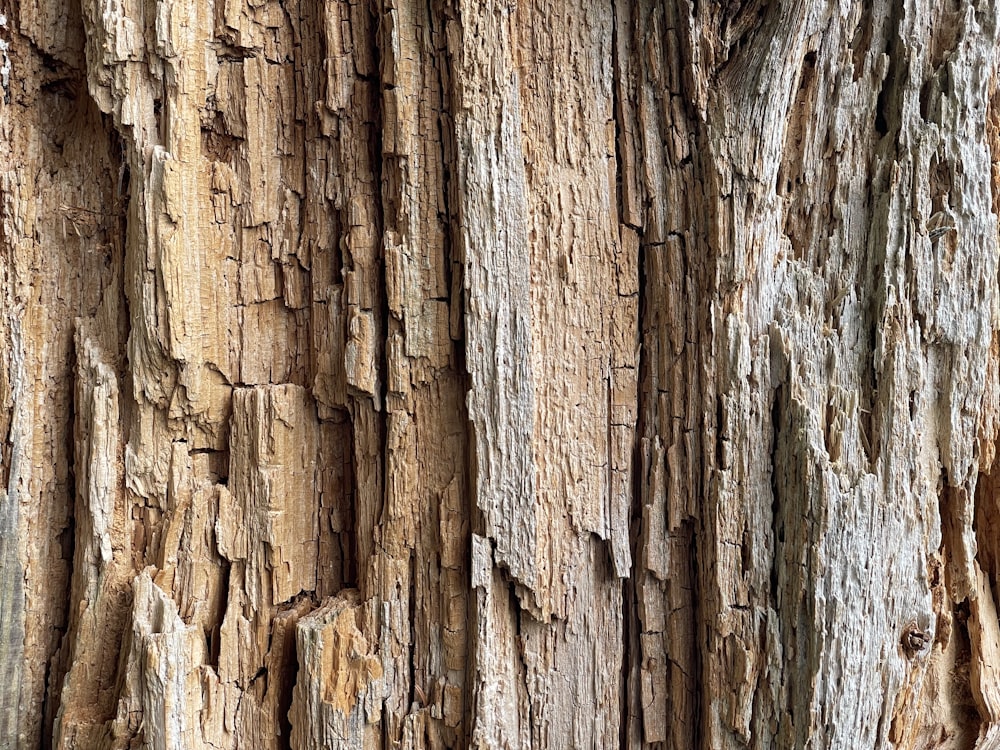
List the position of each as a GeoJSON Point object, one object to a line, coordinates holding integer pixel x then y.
{"type": "Point", "coordinates": [462, 373]}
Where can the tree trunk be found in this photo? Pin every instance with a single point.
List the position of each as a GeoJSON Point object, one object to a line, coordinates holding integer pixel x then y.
{"type": "Point", "coordinates": [463, 373]}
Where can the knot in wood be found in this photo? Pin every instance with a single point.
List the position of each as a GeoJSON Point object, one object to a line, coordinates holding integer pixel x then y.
{"type": "Point", "coordinates": [915, 640]}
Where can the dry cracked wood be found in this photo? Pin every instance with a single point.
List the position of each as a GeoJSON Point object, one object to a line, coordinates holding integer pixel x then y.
{"type": "Point", "coordinates": [389, 374]}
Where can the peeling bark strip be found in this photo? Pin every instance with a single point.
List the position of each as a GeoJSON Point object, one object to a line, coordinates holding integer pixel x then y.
{"type": "Point", "coordinates": [396, 374]}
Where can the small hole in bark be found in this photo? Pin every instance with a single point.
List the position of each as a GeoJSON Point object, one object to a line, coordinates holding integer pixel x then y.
{"type": "Point", "coordinates": [914, 640]}
{"type": "Point", "coordinates": [881, 123]}
{"type": "Point", "coordinates": [925, 100]}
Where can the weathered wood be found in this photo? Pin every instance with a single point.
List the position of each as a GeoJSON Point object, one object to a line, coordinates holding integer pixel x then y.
{"type": "Point", "coordinates": [395, 374]}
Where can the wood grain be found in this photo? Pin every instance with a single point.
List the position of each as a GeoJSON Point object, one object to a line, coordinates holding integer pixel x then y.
{"type": "Point", "coordinates": [392, 374]}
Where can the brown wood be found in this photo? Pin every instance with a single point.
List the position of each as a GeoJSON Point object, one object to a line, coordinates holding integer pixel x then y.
{"type": "Point", "coordinates": [392, 374]}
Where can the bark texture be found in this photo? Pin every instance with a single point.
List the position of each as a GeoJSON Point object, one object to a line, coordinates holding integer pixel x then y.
{"type": "Point", "coordinates": [532, 374]}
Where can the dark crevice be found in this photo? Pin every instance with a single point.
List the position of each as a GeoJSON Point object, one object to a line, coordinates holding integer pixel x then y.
{"type": "Point", "coordinates": [289, 677]}
{"type": "Point", "coordinates": [617, 110]}
{"type": "Point", "coordinates": [458, 301]}
{"type": "Point", "coordinates": [356, 404]}
{"type": "Point", "coordinates": [881, 115]}
{"type": "Point", "coordinates": [51, 699]}
{"type": "Point", "coordinates": [721, 435]}
{"type": "Point", "coordinates": [58, 663]}
{"type": "Point", "coordinates": [448, 144]}
{"type": "Point", "coordinates": [348, 536]}
{"type": "Point", "coordinates": [630, 690]}
{"type": "Point", "coordinates": [698, 616]}
{"type": "Point", "coordinates": [411, 662]}
{"type": "Point", "coordinates": [777, 526]}
{"type": "Point", "coordinates": [214, 634]}
{"type": "Point", "coordinates": [888, 105]}
{"type": "Point", "coordinates": [644, 396]}
{"type": "Point", "coordinates": [381, 304]}
{"type": "Point", "coordinates": [630, 654]}
{"type": "Point", "coordinates": [519, 639]}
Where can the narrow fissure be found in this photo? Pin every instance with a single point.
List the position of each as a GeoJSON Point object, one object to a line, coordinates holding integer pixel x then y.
{"type": "Point", "coordinates": [382, 301]}
{"type": "Point", "coordinates": [777, 530]}
{"type": "Point", "coordinates": [58, 663]}
{"type": "Point", "coordinates": [631, 654]}
{"type": "Point", "coordinates": [348, 536]}
{"type": "Point", "coordinates": [412, 618]}
{"type": "Point", "coordinates": [51, 698]}
{"type": "Point", "coordinates": [519, 639]}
